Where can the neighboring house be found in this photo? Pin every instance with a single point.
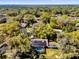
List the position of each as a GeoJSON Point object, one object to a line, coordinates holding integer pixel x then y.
{"type": "Point", "coordinates": [3, 47]}
{"type": "Point", "coordinates": [77, 26]}
{"type": "Point", "coordinates": [58, 30]}
{"type": "Point", "coordinates": [3, 18]}
{"type": "Point", "coordinates": [53, 16]}
{"type": "Point", "coordinates": [23, 25]}
{"type": "Point", "coordinates": [74, 18]}
{"type": "Point", "coordinates": [23, 28]}
{"type": "Point", "coordinates": [58, 15]}
{"type": "Point", "coordinates": [1, 15]}
{"type": "Point", "coordinates": [77, 18]}
{"type": "Point", "coordinates": [31, 37]}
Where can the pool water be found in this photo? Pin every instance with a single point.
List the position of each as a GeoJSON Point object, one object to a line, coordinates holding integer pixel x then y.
{"type": "Point", "coordinates": [39, 50]}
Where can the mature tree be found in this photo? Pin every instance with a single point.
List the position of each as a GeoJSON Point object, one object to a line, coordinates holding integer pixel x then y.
{"type": "Point", "coordinates": [29, 18]}
{"type": "Point", "coordinates": [45, 17]}
{"type": "Point", "coordinates": [42, 57]}
{"type": "Point", "coordinates": [44, 31]}
{"type": "Point", "coordinates": [69, 43]}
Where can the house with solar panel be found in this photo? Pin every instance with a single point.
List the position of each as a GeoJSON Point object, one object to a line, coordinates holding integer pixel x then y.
{"type": "Point", "coordinates": [40, 45]}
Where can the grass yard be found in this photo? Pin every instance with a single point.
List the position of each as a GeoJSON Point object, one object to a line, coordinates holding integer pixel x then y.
{"type": "Point", "coordinates": [53, 53]}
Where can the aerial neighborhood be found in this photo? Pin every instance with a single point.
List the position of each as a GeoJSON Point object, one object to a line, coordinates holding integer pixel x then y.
{"type": "Point", "coordinates": [39, 32]}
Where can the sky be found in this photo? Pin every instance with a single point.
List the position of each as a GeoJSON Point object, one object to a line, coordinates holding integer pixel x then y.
{"type": "Point", "coordinates": [35, 2]}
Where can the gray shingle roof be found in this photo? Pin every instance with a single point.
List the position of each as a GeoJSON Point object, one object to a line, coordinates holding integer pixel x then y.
{"type": "Point", "coordinates": [39, 42]}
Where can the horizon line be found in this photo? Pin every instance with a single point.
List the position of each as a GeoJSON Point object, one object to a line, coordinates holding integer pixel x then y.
{"type": "Point", "coordinates": [39, 4]}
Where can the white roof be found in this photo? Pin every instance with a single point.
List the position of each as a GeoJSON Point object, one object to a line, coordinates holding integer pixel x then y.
{"type": "Point", "coordinates": [58, 30]}
{"type": "Point", "coordinates": [77, 24]}
{"type": "Point", "coordinates": [23, 24]}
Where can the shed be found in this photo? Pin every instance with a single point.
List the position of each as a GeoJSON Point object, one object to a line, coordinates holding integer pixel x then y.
{"type": "Point", "coordinates": [53, 45]}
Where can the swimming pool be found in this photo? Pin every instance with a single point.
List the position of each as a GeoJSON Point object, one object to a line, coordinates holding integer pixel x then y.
{"type": "Point", "coordinates": [40, 49]}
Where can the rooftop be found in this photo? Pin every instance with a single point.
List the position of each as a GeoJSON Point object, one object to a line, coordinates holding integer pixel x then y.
{"type": "Point", "coordinates": [39, 42]}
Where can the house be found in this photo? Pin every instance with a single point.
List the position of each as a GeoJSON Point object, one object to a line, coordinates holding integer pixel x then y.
{"type": "Point", "coordinates": [58, 15]}
{"type": "Point", "coordinates": [39, 44]}
{"type": "Point", "coordinates": [23, 28]}
{"type": "Point", "coordinates": [1, 15]}
{"type": "Point", "coordinates": [3, 47]}
{"type": "Point", "coordinates": [77, 26]}
{"type": "Point", "coordinates": [74, 18]}
{"type": "Point", "coordinates": [3, 18]}
{"type": "Point", "coordinates": [58, 30]}
{"type": "Point", "coordinates": [23, 25]}
{"type": "Point", "coordinates": [31, 37]}
{"type": "Point", "coordinates": [77, 18]}
{"type": "Point", "coordinates": [53, 16]}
